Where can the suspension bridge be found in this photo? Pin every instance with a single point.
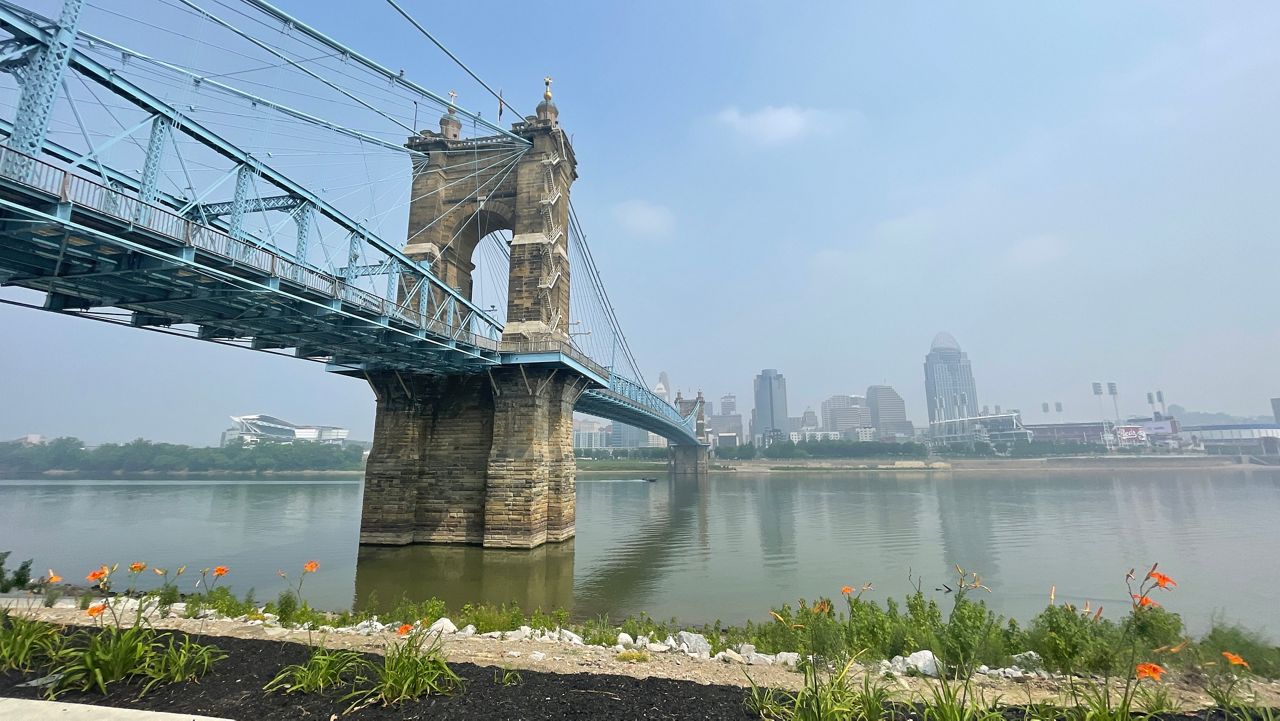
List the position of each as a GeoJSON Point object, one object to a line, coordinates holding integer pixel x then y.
{"type": "Point", "coordinates": [228, 172]}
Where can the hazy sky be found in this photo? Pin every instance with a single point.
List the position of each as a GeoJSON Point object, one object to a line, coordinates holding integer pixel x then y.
{"type": "Point", "coordinates": [1076, 191]}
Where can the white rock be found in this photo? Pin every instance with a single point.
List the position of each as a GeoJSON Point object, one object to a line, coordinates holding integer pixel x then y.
{"type": "Point", "coordinates": [923, 663]}
{"type": "Point", "coordinates": [760, 659]}
{"type": "Point", "coordinates": [696, 643]}
{"type": "Point", "coordinates": [512, 654]}
{"type": "Point", "coordinates": [537, 656]}
{"type": "Point", "coordinates": [467, 630]}
{"type": "Point", "coordinates": [787, 658]}
{"type": "Point", "coordinates": [729, 656]}
{"type": "Point", "coordinates": [516, 635]}
{"type": "Point", "coordinates": [983, 669]}
{"type": "Point", "coordinates": [642, 641]}
{"type": "Point", "coordinates": [619, 648]}
{"type": "Point", "coordinates": [442, 625]}
{"type": "Point", "coordinates": [624, 639]}
{"type": "Point", "coordinates": [747, 650]}
{"type": "Point", "coordinates": [491, 634]}
{"type": "Point", "coordinates": [177, 609]}
{"type": "Point", "coordinates": [658, 647]}
{"type": "Point", "coordinates": [570, 637]}
{"type": "Point", "coordinates": [670, 642]}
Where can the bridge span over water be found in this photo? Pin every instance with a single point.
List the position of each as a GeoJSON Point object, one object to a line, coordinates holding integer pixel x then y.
{"type": "Point", "coordinates": [129, 193]}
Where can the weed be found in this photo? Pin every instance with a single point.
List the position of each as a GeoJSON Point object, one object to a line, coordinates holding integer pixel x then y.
{"type": "Point", "coordinates": [183, 660]}
{"type": "Point", "coordinates": [956, 701]}
{"type": "Point", "coordinates": [410, 670]}
{"type": "Point", "coordinates": [95, 660]}
{"type": "Point", "coordinates": [25, 643]}
{"type": "Point", "coordinates": [1155, 700]}
{"type": "Point", "coordinates": [507, 677]}
{"type": "Point", "coordinates": [632, 655]}
{"type": "Point", "coordinates": [326, 669]}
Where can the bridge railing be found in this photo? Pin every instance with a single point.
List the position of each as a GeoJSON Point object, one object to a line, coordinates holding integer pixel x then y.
{"type": "Point", "coordinates": [69, 187]}
{"type": "Point", "coordinates": [647, 399]}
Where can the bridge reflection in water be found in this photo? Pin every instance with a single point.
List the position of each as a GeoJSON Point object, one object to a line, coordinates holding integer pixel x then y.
{"type": "Point", "coordinates": [458, 574]}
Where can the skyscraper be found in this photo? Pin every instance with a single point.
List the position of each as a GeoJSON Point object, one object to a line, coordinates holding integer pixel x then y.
{"type": "Point", "coordinates": [948, 381]}
{"type": "Point", "coordinates": [728, 404]}
{"type": "Point", "coordinates": [844, 413]}
{"type": "Point", "coordinates": [888, 412]}
{"type": "Point", "coordinates": [769, 418]}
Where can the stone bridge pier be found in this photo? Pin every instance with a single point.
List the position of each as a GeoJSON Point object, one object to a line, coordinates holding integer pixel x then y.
{"type": "Point", "coordinates": [483, 459]}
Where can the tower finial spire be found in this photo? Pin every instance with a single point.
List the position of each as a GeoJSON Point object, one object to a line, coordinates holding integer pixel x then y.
{"type": "Point", "coordinates": [547, 95]}
{"type": "Point", "coordinates": [453, 97]}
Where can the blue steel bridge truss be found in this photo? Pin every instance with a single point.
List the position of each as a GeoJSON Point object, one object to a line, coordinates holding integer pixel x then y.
{"type": "Point", "coordinates": [90, 237]}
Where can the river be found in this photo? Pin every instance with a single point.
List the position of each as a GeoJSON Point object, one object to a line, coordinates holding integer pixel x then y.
{"type": "Point", "coordinates": [726, 548]}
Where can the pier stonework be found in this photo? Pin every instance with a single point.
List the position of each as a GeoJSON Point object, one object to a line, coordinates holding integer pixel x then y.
{"type": "Point", "coordinates": [484, 458]}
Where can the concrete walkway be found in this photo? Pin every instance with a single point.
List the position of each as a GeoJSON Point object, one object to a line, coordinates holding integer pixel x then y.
{"type": "Point", "coordinates": [15, 709]}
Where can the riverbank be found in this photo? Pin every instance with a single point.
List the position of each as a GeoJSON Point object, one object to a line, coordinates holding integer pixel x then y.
{"type": "Point", "coordinates": [964, 465]}
{"type": "Point", "coordinates": [527, 673]}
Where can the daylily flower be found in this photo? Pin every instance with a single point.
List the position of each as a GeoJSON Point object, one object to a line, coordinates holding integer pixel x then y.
{"type": "Point", "coordinates": [97, 575]}
{"type": "Point", "coordinates": [310, 566]}
{"type": "Point", "coordinates": [1149, 670]}
{"type": "Point", "coordinates": [137, 567]}
{"type": "Point", "coordinates": [96, 609]}
{"type": "Point", "coordinates": [1161, 580]}
{"type": "Point", "coordinates": [846, 590]}
{"type": "Point", "coordinates": [220, 571]}
{"type": "Point", "coordinates": [404, 629]}
{"type": "Point", "coordinates": [158, 570]}
{"type": "Point", "coordinates": [1235, 659]}
{"type": "Point", "coordinates": [1143, 601]}
{"type": "Point", "coordinates": [53, 577]}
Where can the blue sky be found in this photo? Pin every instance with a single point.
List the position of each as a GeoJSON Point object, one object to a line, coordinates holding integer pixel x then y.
{"type": "Point", "coordinates": [1076, 191]}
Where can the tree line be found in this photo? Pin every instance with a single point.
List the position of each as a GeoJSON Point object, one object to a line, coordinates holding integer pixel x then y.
{"type": "Point", "coordinates": [140, 456]}
{"type": "Point", "coordinates": [824, 449]}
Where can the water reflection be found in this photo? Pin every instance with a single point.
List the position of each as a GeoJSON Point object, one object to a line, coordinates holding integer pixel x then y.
{"type": "Point", "coordinates": [540, 578]}
{"type": "Point", "coordinates": [727, 547]}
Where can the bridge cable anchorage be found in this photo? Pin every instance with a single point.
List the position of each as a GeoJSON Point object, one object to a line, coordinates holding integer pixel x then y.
{"type": "Point", "coordinates": [454, 58]}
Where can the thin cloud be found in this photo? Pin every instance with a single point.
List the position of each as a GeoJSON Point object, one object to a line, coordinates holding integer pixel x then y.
{"type": "Point", "coordinates": [645, 219]}
{"type": "Point", "coordinates": [776, 125]}
{"type": "Point", "coordinates": [1035, 252]}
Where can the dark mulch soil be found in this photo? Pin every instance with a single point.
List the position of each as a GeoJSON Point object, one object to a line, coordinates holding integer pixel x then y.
{"type": "Point", "coordinates": [234, 690]}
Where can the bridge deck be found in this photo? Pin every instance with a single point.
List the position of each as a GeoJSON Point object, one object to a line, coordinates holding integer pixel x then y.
{"type": "Point", "coordinates": [90, 246]}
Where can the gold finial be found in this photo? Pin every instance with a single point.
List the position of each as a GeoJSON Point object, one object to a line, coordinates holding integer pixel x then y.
{"type": "Point", "coordinates": [547, 95]}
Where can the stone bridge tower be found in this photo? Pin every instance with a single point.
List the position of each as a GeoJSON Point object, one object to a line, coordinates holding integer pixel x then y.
{"type": "Point", "coordinates": [484, 459]}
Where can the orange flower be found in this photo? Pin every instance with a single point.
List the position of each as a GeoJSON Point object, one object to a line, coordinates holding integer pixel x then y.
{"type": "Point", "coordinates": [310, 566]}
{"type": "Point", "coordinates": [96, 609]}
{"type": "Point", "coordinates": [404, 629]}
{"type": "Point", "coordinates": [846, 590]}
{"type": "Point", "coordinates": [1149, 670]}
{"type": "Point", "coordinates": [1235, 659]}
{"type": "Point", "coordinates": [158, 570]}
{"type": "Point", "coordinates": [220, 571]}
{"type": "Point", "coordinates": [137, 567]}
{"type": "Point", "coordinates": [97, 575]}
{"type": "Point", "coordinates": [1143, 601]}
{"type": "Point", "coordinates": [1161, 580]}
{"type": "Point", "coordinates": [822, 606]}
{"type": "Point", "coordinates": [53, 577]}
